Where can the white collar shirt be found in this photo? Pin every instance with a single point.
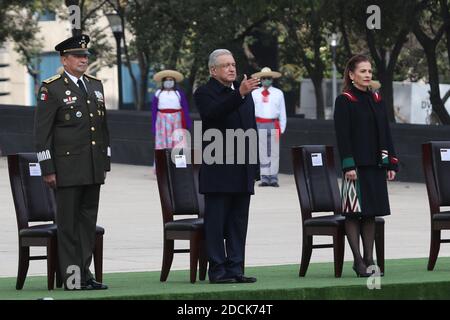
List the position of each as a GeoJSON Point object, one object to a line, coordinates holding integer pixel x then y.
{"type": "Point", "coordinates": [274, 108]}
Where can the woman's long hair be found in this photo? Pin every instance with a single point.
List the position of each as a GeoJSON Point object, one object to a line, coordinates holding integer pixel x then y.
{"type": "Point", "coordinates": [351, 66]}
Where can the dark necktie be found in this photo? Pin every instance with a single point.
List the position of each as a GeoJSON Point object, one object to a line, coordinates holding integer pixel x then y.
{"type": "Point", "coordinates": [82, 87]}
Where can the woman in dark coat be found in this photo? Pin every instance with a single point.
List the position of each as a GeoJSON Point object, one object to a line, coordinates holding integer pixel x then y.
{"type": "Point", "coordinates": [368, 158]}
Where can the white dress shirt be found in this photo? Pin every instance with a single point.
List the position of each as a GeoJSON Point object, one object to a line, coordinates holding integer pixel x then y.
{"type": "Point", "coordinates": [75, 79]}
{"type": "Point", "coordinates": [275, 108]}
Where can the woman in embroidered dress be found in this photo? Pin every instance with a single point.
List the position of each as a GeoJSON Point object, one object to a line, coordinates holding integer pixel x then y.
{"type": "Point", "coordinates": [170, 111]}
{"type": "Point", "coordinates": [368, 158]}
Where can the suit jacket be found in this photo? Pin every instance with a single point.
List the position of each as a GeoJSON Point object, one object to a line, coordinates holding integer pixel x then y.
{"type": "Point", "coordinates": [223, 108]}
{"type": "Point", "coordinates": [71, 133]}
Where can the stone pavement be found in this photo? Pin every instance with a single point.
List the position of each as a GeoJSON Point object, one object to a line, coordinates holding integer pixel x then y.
{"type": "Point", "coordinates": [130, 212]}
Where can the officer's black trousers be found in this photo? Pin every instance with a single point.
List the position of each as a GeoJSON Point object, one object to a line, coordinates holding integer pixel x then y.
{"type": "Point", "coordinates": [76, 219]}
{"type": "Point", "coordinates": [226, 217]}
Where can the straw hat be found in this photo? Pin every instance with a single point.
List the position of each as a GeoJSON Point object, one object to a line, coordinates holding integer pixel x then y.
{"type": "Point", "coordinates": [375, 85]}
{"type": "Point", "coordinates": [266, 72]}
{"type": "Point", "coordinates": [168, 73]}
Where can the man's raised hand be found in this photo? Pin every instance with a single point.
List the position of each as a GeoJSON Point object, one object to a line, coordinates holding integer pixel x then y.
{"type": "Point", "coordinates": [248, 85]}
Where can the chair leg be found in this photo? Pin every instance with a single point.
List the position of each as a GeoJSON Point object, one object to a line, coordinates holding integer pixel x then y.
{"type": "Point", "coordinates": [243, 263]}
{"type": "Point", "coordinates": [434, 248]}
{"type": "Point", "coordinates": [194, 251]}
{"type": "Point", "coordinates": [98, 257]}
{"type": "Point", "coordinates": [203, 260]}
{"type": "Point", "coordinates": [306, 255]}
{"type": "Point", "coordinates": [338, 250]}
{"type": "Point", "coordinates": [379, 245]}
{"type": "Point", "coordinates": [51, 262]}
{"type": "Point", "coordinates": [167, 259]}
{"type": "Point", "coordinates": [59, 281]}
{"type": "Point", "coordinates": [24, 262]}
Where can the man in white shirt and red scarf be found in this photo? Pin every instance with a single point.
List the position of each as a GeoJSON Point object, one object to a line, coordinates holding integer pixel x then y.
{"type": "Point", "coordinates": [270, 111]}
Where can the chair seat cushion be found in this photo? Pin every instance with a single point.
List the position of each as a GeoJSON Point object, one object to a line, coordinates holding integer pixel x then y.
{"type": "Point", "coordinates": [47, 230]}
{"type": "Point", "coordinates": [442, 216]}
{"type": "Point", "coordinates": [42, 230]}
{"type": "Point", "coordinates": [325, 221]}
{"type": "Point", "coordinates": [184, 224]}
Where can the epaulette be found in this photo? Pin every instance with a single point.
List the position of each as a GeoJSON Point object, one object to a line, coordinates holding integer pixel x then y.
{"type": "Point", "coordinates": [92, 77]}
{"type": "Point", "coordinates": [51, 79]}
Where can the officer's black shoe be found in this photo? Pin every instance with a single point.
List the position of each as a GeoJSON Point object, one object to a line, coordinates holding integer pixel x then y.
{"type": "Point", "coordinates": [263, 184]}
{"type": "Point", "coordinates": [94, 285]}
{"type": "Point", "coordinates": [223, 280]}
{"type": "Point", "coordinates": [244, 279]}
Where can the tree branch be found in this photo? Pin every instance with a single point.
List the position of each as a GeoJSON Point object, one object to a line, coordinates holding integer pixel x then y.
{"type": "Point", "coordinates": [250, 28]}
{"type": "Point", "coordinates": [445, 97]}
{"type": "Point", "coordinates": [93, 11]}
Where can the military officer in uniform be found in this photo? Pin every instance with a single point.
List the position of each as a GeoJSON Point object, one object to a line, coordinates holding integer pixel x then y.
{"type": "Point", "coordinates": [72, 141]}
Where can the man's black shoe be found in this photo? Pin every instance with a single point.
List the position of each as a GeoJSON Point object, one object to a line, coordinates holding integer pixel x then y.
{"type": "Point", "coordinates": [244, 279]}
{"type": "Point", "coordinates": [94, 285]}
{"type": "Point", "coordinates": [274, 184]}
{"type": "Point", "coordinates": [223, 280]}
{"type": "Point", "coordinates": [263, 184]}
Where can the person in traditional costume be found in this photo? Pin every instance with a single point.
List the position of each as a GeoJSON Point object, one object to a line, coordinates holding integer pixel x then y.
{"type": "Point", "coordinates": [170, 110]}
{"type": "Point", "coordinates": [270, 111]}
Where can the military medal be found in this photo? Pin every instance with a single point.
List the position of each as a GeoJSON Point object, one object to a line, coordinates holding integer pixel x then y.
{"type": "Point", "coordinates": [67, 92]}
{"type": "Point", "coordinates": [99, 96]}
{"type": "Point", "coordinates": [70, 100]}
{"type": "Point", "coordinates": [78, 114]}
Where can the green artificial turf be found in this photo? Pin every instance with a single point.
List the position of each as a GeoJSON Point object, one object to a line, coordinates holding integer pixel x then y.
{"type": "Point", "coordinates": [404, 279]}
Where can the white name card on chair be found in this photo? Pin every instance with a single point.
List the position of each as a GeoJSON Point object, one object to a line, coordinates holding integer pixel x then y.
{"type": "Point", "coordinates": [35, 169]}
{"type": "Point", "coordinates": [316, 159]}
{"type": "Point", "coordinates": [180, 161]}
{"type": "Point", "coordinates": [445, 154]}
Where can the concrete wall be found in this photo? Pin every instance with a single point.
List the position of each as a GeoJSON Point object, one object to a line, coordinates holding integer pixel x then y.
{"type": "Point", "coordinates": [133, 142]}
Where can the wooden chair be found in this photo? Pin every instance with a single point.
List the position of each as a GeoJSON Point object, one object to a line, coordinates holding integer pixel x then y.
{"type": "Point", "coordinates": [179, 196]}
{"type": "Point", "coordinates": [436, 167]}
{"type": "Point", "coordinates": [318, 191]}
{"type": "Point", "coordinates": [34, 202]}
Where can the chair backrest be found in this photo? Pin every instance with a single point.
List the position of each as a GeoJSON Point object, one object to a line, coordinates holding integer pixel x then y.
{"type": "Point", "coordinates": [436, 164]}
{"type": "Point", "coordinates": [178, 186]}
{"type": "Point", "coordinates": [315, 178]}
{"type": "Point", "coordinates": [34, 201]}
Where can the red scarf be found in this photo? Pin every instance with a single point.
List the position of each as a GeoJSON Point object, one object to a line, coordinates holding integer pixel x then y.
{"type": "Point", "coordinates": [265, 93]}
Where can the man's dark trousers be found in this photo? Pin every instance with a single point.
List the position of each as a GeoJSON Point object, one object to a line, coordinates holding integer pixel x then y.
{"type": "Point", "coordinates": [226, 217]}
{"type": "Point", "coordinates": [77, 209]}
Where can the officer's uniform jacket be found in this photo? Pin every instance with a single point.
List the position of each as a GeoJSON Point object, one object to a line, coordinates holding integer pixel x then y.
{"type": "Point", "coordinates": [71, 133]}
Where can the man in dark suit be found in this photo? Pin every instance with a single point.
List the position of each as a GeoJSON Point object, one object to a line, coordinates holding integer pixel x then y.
{"type": "Point", "coordinates": [72, 141]}
{"type": "Point", "coordinates": [227, 107]}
